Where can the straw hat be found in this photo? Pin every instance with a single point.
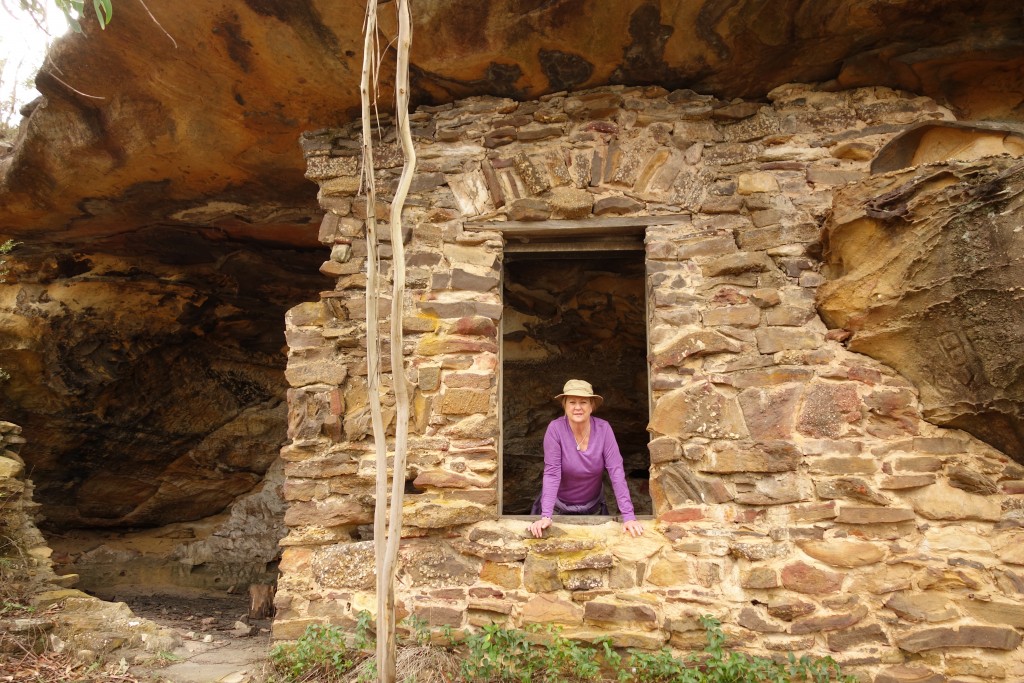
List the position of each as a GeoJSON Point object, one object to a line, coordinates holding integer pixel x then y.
{"type": "Point", "coordinates": [578, 387]}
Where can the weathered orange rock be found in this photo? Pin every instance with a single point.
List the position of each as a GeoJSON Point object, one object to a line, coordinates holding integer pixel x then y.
{"type": "Point", "coordinates": [849, 514]}
{"type": "Point", "coordinates": [438, 514]}
{"type": "Point", "coordinates": [465, 401]}
{"type": "Point", "coordinates": [596, 610]}
{"type": "Point", "coordinates": [941, 501]}
{"type": "Point", "coordinates": [855, 637]}
{"type": "Point", "coordinates": [773, 456]}
{"type": "Point", "coordinates": [923, 606]}
{"type": "Point", "coordinates": [545, 609]}
{"type": "Point", "coordinates": [540, 575]}
{"type": "Point", "coordinates": [677, 489]}
{"type": "Point", "coordinates": [832, 622]}
{"type": "Point", "coordinates": [851, 488]}
{"type": "Point", "coordinates": [349, 566]}
{"type": "Point", "coordinates": [698, 343]}
{"type": "Point", "coordinates": [958, 665]}
{"type": "Point", "coordinates": [909, 674]}
{"type": "Point", "coordinates": [502, 574]}
{"type": "Point", "coordinates": [670, 569]}
{"type": "Point", "coordinates": [336, 511]}
{"type": "Point", "coordinates": [989, 637]}
{"type": "Point", "coordinates": [843, 553]}
{"type": "Point", "coordinates": [804, 578]}
{"type": "Point", "coordinates": [969, 271]}
{"type": "Point", "coordinates": [770, 413]}
{"type": "Point", "coordinates": [698, 410]}
{"type": "Point", "coordinates": [827, 409]}
{"type": "Point", "coordinates": [439, 615]}
{"type": "Point", "coordinates": [994, 612]}
{"type": "Point", "coordinates": [790, 609]}
{"type": "Point", "coordinates": [776, 339]}
{"type": "Point", "coordinates": [760, 577]}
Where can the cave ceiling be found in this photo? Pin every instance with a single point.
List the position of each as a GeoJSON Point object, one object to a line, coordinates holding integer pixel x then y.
{"type": "Point", "coordinates": [192, 116]}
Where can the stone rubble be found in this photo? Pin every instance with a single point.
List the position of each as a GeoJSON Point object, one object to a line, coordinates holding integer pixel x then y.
{"type": "Point", "coordinates": [18, 533]}
{"type": "Point", "coordinates": [799, 495]}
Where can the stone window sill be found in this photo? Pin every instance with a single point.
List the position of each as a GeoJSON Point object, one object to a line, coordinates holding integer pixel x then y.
{"type": "Point", "coordinates": [585, 520]}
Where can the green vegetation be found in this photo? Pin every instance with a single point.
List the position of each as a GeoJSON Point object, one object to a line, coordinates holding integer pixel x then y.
{"type": "Point", "coordinates": [72, 9]}
{"type": "Point", "coordinates": [15, 584]}
{"type": "Point", "coordinates": [538, 655]}
{"type": "Point", "coordinates": [323, 653]}
{"type": "Point", "coordinates": [5, 249]}
{"type": "Point", "coordinates": [499, 654]}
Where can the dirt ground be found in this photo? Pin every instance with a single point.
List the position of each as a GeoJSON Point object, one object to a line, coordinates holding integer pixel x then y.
{"type": "Point", "coordinates": [219, 642]}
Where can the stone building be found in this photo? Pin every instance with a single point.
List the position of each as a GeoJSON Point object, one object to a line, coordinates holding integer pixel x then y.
{"type": "Point", "coordinates": [672, 248]}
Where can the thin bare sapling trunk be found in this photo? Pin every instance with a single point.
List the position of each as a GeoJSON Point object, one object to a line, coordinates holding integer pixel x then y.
{"type": "Point", "coordinates": [373, 369]}
{"type": "Point", "coordinates": [386, 672]}
{"type": "Point", "coordinates": [387, 529]}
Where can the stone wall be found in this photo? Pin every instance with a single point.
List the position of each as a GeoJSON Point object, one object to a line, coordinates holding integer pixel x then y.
{"type": "Point", "coordinates": [23, 549]}
{"type": "Point", "coordinates": [798, 494]}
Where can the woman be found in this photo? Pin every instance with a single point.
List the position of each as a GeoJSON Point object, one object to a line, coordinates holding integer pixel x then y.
{"type": "Point", "coordinates": [578, 448]}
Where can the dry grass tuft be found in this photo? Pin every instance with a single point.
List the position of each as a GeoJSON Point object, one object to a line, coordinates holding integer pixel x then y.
{"type": "Point", "coordinates": [415, 664]}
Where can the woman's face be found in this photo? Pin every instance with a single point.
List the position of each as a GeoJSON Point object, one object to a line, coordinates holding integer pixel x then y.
{"type": "Point", "coordinates": [578, 409]}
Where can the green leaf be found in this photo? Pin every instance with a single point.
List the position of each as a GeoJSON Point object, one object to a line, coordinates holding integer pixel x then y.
{"type": "Point", "coordinates": [104, 11]}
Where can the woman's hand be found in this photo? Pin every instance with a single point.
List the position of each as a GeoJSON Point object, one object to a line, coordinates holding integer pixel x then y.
{"type": "Point", "coordinates": [633, 528]}
{"type": "Point", "coordinates": [538, 527]}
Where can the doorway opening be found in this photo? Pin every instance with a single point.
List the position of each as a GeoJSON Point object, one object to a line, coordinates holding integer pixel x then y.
{"type": "Point", "coordinates": [573, 315]}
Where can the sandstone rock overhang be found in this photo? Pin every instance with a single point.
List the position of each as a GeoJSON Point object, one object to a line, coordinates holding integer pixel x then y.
{"type": "Point", "coordinates": [193, 117]}
{"type": "Point", "coordinates": [924, 261]}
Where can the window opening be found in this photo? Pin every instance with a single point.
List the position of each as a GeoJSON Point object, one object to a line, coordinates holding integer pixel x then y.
{"type": "Point", "coordinates": [573, 311]}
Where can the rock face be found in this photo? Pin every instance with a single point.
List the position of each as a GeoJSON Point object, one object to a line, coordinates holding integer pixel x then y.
{"type": "Point", "coordinates": [236, 548]}
{"type": "Point", "coordinates": [150, 383]}
{"type": "Point", "coordinates": [798, 493]}
{"type": "Point", "coordinates": [925, 264]}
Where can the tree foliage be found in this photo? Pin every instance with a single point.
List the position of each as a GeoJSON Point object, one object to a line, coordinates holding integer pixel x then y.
{"type": "Point", "coordinates": [73, 10]}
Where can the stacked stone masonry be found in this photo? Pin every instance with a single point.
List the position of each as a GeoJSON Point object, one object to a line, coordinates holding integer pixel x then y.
{"type": "Point", "coordinates": [798, 494]}
{"type": "Point", "coordinates": [20, 541]}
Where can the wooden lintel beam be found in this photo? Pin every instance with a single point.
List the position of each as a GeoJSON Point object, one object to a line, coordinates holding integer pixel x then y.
{"type": "Point", "coordinates": [612, 225]}
{"type": "Point", "coordinates": [573, 247]}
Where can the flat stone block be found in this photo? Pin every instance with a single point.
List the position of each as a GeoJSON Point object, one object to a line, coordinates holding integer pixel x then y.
{"type": "Point", "coordinates": [871, 515]}
{"type": "Point", "coordinates": [988, 637]}
{"type": "Point", "coordinates": [775, 339]}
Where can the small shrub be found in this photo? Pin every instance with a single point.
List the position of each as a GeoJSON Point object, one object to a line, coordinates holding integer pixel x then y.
{"type": "Point", "coordinates": [499, 654]}
{"type": "Point", "coordinates": [321, 654]}
{"type": "Point", "coordinates": [717, 665]}
{"type": "Point", "coordinates": [535, 655]}
{"type": "Point", "coordinates": [5, 248]}
{"type": "Point", "coordinates": [419, 629]}
{"type": "Point", "coordinates": [16, 585]}
{"type": "Point", "coordinates": [510, 655]}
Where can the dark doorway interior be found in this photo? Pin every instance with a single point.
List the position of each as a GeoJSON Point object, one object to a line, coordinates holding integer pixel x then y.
{"type": "Point", "coordinates": [570, 318]}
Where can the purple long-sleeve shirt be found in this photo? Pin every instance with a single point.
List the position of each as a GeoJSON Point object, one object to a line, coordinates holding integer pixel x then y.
{"type": "Point", "coordinates": [575, 476]}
